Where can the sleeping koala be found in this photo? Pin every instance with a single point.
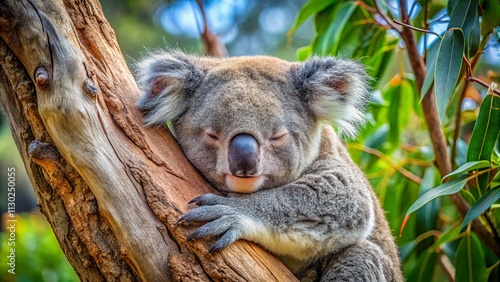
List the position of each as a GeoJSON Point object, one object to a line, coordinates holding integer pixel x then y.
{"type": "Point", "coordinates": [256, 128]}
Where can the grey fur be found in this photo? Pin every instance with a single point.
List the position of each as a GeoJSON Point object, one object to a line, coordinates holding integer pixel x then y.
{"type": "Point", "coordinates": [311, 205]}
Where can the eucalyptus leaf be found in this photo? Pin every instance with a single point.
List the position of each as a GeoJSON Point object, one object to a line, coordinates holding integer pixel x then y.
{"type": "Point", "coordinates": [328, 42]}
{"type": "Point", "coordinates": [490, 17]}
{"type": "Point", "coordinates": [400, 95]}
{"type": "Point", "coordinates": [309, 9]}
{"type": "Point", "coordinates": [431, 67]}
{"type": "Point", "coordinates": [480, 206]}
{"type": "Point", "coordinates": [447, 188]}
{"type": "Point", "coordinates": [448, 65]}
{"type": "Point", "coordinates": [303, 53]}
{"type": "Point", "coordinates": [424, 267]}
{"type": "Point", "coordinates": [427, 216]}
{"type": "Point", "coordinates": [324, 18]}
{"type": "Point", "coordinates": [486, 130]}
{"type": "Point", "coordinates": [474, 38]}
{"type": "Point", "coordinates": [495, 182]}
{"type": "Point", "coordinates": [470, 264]}
{"type": "Point", "coordinates": [468, 167]}
{"type": "Point", "coordinates": [451, 234]}
{"type": "Point", "coordinates": [465, 16]}
{"type": "Point", "coordinates": [451, 5]}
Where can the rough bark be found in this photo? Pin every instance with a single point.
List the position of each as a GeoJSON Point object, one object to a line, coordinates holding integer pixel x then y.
{"type": "Point", "coordinates": [110, 188]}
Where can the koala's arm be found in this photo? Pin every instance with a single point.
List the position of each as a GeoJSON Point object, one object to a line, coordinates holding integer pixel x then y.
{"type": "Point", "coordinates": [325, 210]}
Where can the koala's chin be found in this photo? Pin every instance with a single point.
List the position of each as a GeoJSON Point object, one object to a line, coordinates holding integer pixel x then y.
{"type": "Point", "coordinates": [244, 184]}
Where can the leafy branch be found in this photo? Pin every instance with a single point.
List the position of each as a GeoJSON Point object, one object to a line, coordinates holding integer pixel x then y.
{"type": "Point", "coordinates": [431, 115]}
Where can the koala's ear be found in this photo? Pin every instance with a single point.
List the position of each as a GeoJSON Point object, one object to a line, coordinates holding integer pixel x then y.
{"type": "Point", "coordinates": [336, 90]}
{"type": "Point", "coordinates": [167, 80]}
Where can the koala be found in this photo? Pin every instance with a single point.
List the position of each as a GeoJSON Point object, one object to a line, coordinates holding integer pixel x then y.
{"type": "Point", "coordinates": [260, 130]}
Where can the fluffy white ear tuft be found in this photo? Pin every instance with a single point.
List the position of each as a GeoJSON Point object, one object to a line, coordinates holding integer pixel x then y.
{"type": "Point", "coordinates": [336, 90]}
{"type": "Point", "coordinates": [167, 79]}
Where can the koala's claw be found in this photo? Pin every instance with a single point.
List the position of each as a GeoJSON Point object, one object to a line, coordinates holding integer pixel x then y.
{"type": "Point", "coordinates": [227, 239]}
{"type": "Point", "coordinates": [213, 228]}
{"type": "Point", "coordinates": [207, 200]}
{"type": "Point", "coordinates": [220, 220]}
{"type": "Point", "coordinates": [206, 213]}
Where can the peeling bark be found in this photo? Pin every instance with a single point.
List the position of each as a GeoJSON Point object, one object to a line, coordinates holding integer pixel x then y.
{"type": "Point", "coordinates": [110, 188]}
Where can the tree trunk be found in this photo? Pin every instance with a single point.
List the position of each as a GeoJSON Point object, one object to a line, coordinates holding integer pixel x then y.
{"type": "Point", "coordinates": [110, 188]}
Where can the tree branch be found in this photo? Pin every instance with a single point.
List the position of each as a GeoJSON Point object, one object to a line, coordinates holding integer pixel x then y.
{"type": "Point", "coordinates": [385, 17]}
{"type": "Point", "coordinates": [437, 137]}
{"type": "Point", "coordinates": [479, 81]}
{"type": "Point", "coordinates": [212, 44]}
{"type": "Point", "coordinates": [416, 28]}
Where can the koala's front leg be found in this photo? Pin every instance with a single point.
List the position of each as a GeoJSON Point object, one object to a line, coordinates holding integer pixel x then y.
{"type": "Point", "coordinates": [325, 210]}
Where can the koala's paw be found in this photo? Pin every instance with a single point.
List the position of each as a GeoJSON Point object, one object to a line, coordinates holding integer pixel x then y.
{"type": "Point", "coordinates": [222, 220]}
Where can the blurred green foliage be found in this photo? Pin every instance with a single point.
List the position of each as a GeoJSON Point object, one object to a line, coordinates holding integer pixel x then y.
{"type": "Point", "coordinates": [38, 256]}
{"type": "Point", "coordinates": [394, 148]}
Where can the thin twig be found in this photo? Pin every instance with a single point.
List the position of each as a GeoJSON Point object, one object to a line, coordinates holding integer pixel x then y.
{"type": "Point", "coordinates": [366, 6]}
{"type": "Point", "coordinates": [385, 17]}
{"type": "Point", "coordinates": [479, 81]}
{"type": "Point", "coordinates": [390, 162]}
{"type": "Point", "coordinates": [416, 28]}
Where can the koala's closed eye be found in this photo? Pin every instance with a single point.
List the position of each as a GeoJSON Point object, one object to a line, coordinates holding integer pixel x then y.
{"type": "Point", "coordinates": [211, 136]}
{"type": "Point", "coordinates": [279, 136]}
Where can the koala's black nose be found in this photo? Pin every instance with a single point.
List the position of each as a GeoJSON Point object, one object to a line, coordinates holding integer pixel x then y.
{"type": "Point", "coordinates": [243, 155]}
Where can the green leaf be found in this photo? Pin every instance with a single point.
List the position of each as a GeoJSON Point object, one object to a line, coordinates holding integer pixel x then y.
{"type": "Point", "coordinates": [480, 206]}
{"type": "Point", "coordinates": [378, 62]}
{"type": "Point", "coordinates": [495, 182]}
{"type": "Point", "coordinates": [468, 196]}
{"type": "Point", "coordinates": [323, 19]}
{"type": "Point", "coordinates": [448, 65]}
{"type": "Point", "coordinates": [468, 167]}
{"type": "Point", "coordinates": [431, 67]}
{"type": "Point", "coordinates": [447, 188]}
{"type": "Point", "coordinates": [406, 249]}
{"type": "Point", "coordinates": [309, 9]}
{"type": "Point", "coordinates": [451, 5]}
{"type": "Point", "coordinates": [400, 95]}
{"type": "Point", "coordinates": [447, 236]}
{"type": "Point", "coordinates": [464, 16]}
{"type": "Point", "coordinates": [427, 216]}
{"type": "Point", "coordinates": [328, 42]}
{"type": "Point", "coordinates": [303, 53]}
{"type": "Point", "coordinates": [474, 38]}
{"type": "Point", "coordinates": [424, 267]}
{"type": "Point", "coordinates": [490, 17]}
{"type": "Point", "coordinates": [374, 140]}
{"type": "Point", "coordinates": [462, 147]}
{"type": "Point", "coordinates": [486, 129]}
{"type": "Point", "coordinates": [470, 264]}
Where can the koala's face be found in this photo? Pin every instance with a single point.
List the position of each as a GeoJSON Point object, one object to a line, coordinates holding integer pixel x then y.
{"type": "Point", "coordinates": [250, 123]}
